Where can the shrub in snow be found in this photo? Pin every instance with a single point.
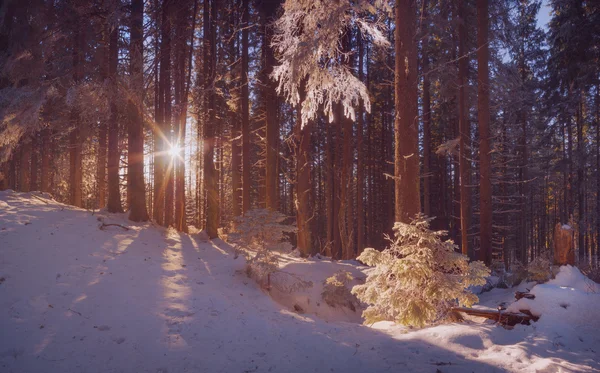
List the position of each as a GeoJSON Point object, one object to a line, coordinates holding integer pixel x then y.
{"type": "Point", "coordinates": [516, 275]}
{"type": "Point", "coordinates": [590, 272]}
{"type": "Point", "coordinates": [418, 278]}
{"type": "Point", "coordinates": [288, 283]}
{"type": "Point", "coordinates": [540, 269]}
{"type": "Point", "coordinates": [336, 292]}
{"type": "Point", "coordinates": [260, 266]}
{"type": "Point", "coordinates": [261, 231]}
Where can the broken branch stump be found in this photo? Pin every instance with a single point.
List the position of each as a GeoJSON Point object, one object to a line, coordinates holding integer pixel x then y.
{"type": "Point", "coordinates": [502, 317]}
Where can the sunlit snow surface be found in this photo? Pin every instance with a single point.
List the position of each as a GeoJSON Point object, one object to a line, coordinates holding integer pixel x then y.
{"type": "Point", "coordinates": [74, 298]}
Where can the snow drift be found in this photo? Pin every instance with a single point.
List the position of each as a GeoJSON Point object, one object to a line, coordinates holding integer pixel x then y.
{"type": "Point", "coordinates": [74, 298]}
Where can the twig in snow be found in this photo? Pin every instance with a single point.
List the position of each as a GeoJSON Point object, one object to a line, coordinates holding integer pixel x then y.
{"type": "Point", "coordinates": [79, 313]}
{"type": "Point", "coordinates": [104, 225]}
{"type": "Point", "coordinates": [36, 197]}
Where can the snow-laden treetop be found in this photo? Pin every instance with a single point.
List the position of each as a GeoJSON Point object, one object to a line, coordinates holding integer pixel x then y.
{"type": "Point", "coordinates": [313, 67]}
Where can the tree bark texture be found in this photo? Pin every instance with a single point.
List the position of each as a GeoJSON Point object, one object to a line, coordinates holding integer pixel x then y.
{"type": "Point", "coordinates": [406, 135]}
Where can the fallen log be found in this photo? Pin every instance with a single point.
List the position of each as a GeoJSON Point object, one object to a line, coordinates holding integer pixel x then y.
{"type": "Point", "coordinates": [524, 294]}
{"type": "Point", "coordinates": [500, 316]}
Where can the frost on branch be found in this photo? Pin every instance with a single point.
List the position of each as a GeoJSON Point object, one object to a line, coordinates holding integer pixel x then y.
{"type": "Point", "coordinates": [418, 278]}
{"type": "Point", "coordinates": [261, 232]}
{"type": "Point", "coordinates": [307, 42]}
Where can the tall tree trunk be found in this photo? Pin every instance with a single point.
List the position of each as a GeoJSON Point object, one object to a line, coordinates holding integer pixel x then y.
{"type": "Point", "coordinates": [345, 214]}
{"type": "Point", "coordinates": [406, 156]}
{"type": "Point", "coordinates": [184, 88]}
{"type": "Point", "coordinates": [597, 99]}
{"type": "Point", "coordinates": [46, 160]}
{"type": "Point", "coordinates": [24, 167]}
{"type": "Point", "coordinates": [465, 133]}
{"type": "Point", "coordinates": [360, 162]}
{"type": "Point", "coordinates": [580, 181]}
{"type": "Point", "coordinates": [330, 191]}
{"type": "Point", "coordinates": [210, 173]}
{"type": "Point", "coordinates": [163, 127]}
{"type": "Point", "coordinates": [427, 174]}
{"type": "Point", "coordinates": [483, 112]}
{"type": "Point", "coordinates": [103, 125]}
{"type": "Point", "coordinates": [165, 65]}
{"type": "Point", "coordinates": [270, 95]}
{"type": "Point", "coordinates": [5, 172]}
{"type": "Point", "coordinates": [12, 173]}
{"type": "Point", "coordinates": [245, 112]}
{"type": "Point", "coordinates": [303, 186]}
{"type": "Point", "coordinates": [135, 135]}
{"type": "Point", "coordinates": [114, 193]}
{"type": "Point", "coordinates": [33, 183]}
{"type": "Point", "coordinates": [75, 141]}
{"type": "Point", "coordinates": [101, 164]}
{"type": "Point", "coordinates": [236, 149]}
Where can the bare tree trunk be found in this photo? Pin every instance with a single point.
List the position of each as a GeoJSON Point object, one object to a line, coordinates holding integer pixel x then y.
{"type": "Point", "coordinates": [303, 186]}
{"type": "Point", "coordinates": [465, 133]}
{"type": "Point", "coordinates": [46, 160]}
{"type": "Point", "coordinates": [330, 190]}
{"type": "Point", "coordinates": [135, 169]}
{"type": "Point", "coordinates": [336, 172]}
{"type": "Point", "coordinates": [270, 95]}
{"type": "Point", "coordinates": [33, 184]}
{"type": "Point", "coordinates": [184, 88]}
{"type": "Point", "coordinates": [114, 194]}
{"type": "Point", "coordinates": [101, 164]}
{"type": "Point", "coordinates": [236, 149]}
{"type": "Point", "coordinates": [245, 112]}
{"type": "Point", "coordinates": [103, 125]}
{"type": "Point", "coordinates": [75, 143]}
{"type": "Point", "coordinates": [360, 163]}
{"type": "Point", "coordinates": [5, 172]}
{"type": "Point", "coordinates": [580, 182]}
{"type": "Point", "coordinates": [406, 165]}
{"type": "Point", "coordinates": [483, 112]}
{"type": "Point", "coordinates": [427, 174]}
{"type": "Point", "coordinates": [24, 167]}
{"type": "Point", "coordinates": [165, 65]}
{"type": "Point", "coordinates": [597, 102]}
{"type": "Point", "coordinates": [210, 173]}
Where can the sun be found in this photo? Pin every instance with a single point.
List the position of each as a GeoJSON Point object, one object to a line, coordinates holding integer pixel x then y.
{"type": "Point", "coordinates": [174, 150]}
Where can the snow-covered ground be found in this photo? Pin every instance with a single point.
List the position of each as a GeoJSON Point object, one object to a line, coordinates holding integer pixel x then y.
{"type": "Point", "coordinates": [74, 298]}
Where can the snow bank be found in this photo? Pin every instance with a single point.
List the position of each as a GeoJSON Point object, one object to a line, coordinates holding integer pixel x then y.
{"type": "Point", "coordinates": [572, 277]}
{"type": "Point", "coordinates": [570, 300]}
{"type": "Point", "coordinates": [308, 299]}
{"type": "Point", "coordinates": [74, 298]}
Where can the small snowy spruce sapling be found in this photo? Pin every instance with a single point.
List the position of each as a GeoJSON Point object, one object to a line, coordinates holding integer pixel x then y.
{"type": "Point", "coordinates": [540, 269]}
{"type": "Point", "coordinates": [311, 69]}
{"type": "Point", "coordinates": [261, 231]}
{"type": "Point", "coordinates": [418, 278]}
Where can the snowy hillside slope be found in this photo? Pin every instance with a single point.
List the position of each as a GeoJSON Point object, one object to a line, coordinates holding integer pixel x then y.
{"type": "Point", "coordinates": [74, 298]}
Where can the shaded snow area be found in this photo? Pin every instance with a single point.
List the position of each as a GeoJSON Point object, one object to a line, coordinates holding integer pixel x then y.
{"type": "Point", "coordinates": [74, 298]}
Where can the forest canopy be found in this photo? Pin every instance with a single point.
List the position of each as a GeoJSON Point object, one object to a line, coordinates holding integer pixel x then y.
{"type": "Point", "coordinates": [346, 116]}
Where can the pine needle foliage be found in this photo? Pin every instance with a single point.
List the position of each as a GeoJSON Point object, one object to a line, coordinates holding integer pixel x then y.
{"type": "Point", "coordinates": [307, 40]}
{"type": "Point", "coordinates": [418, 278]}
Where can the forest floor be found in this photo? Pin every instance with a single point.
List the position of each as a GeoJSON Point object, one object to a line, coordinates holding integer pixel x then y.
{"type": "Point", "coordinates": [74, 298]}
